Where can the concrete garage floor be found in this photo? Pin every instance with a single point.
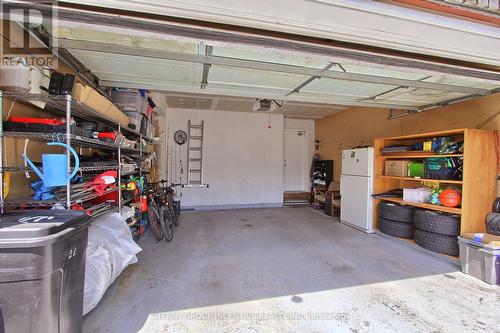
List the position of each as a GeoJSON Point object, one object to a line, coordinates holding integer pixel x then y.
{"type": "Point", "coordinates": [289, 270]}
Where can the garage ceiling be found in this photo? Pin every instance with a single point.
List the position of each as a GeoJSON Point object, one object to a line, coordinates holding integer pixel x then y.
{"type": "Point", "coordinates": [293, 110]}
{"type": "Point", "coordinates": [212, 74]}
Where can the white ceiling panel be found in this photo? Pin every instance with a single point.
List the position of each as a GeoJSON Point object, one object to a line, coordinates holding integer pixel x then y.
{"type": "Point", "coordinates": [223, 103]}
{"type": "Point", "coordinates": [189, 102]}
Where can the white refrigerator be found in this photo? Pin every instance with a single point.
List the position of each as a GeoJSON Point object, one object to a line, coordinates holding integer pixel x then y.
{"type": "Point", "coordinates": [356, 189]}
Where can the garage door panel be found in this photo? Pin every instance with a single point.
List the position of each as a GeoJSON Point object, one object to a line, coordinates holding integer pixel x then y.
{"type": "Point", "coordinates": [271, 56]}
{"type": "Point", "coordinates": [347, 88]}
{"type": "Point", "coordinates": [115, 66]}
{"type": "Point", "coordinates": [419, 96]}
{"type": "Point", "coordinates": [256, 78]}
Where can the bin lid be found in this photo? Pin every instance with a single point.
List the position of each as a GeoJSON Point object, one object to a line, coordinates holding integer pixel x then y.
{"type": "Point", "coordinates": [39, 223]}
{"type": "Point", "coordinates": [487, 239]}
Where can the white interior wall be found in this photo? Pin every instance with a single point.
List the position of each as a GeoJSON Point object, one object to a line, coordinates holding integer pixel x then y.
{"type": "Point", "coordinates": [243, 158]}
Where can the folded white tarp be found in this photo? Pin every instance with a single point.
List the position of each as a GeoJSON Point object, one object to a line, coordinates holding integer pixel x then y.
{"type": "Point", "coordinates": [110, 250]}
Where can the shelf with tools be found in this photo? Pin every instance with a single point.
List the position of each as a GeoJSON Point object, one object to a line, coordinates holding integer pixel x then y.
{"type": "Point", "coordinates": [81, 168]}
{"type": "Point", "coordinates": [75, 139]}
{"type": "Point", "coordinates": [58, 105]}
{"type": "Point", "coordinates": [65, 133]}
{"type": "Point", "coordinates": [29, 202]}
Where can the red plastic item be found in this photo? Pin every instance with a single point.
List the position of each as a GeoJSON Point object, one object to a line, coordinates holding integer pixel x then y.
{"type": "Point", "coordinates": [43, 121]}
{"type": "Point", "coordinates": [149, 112]}
{"type": "Point", "coordinates": [143, 203]}
{"type": "Point", "coordinates": [109, 197]}
{"type": "Point", "coordinates": [99, 184]}
{"type": "Point", "coordinates": [107, 135]}
{"type": "Point", "coordinates": [77, 207]}
{"type": "Point", "coordinates": [450, 197]}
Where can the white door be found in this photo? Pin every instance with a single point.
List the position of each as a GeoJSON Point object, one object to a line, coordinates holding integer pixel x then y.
{"type": "Point", "coordinates": [296, 160]}
{"type": "Point", "coordinates": [356, 201]}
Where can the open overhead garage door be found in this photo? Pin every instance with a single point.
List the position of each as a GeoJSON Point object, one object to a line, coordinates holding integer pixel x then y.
{"type": "Point", "coordinates": [139, 52]}
{"type": "Point", "coordinates": [373, 23]}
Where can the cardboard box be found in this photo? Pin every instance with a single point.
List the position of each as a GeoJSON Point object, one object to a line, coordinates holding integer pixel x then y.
{"type": "Point", "coordinates": [397, 168]}
{"type": "Point", "coordinates": [94, 100]}
{"type": "Point", "coordinates": [116, 115]}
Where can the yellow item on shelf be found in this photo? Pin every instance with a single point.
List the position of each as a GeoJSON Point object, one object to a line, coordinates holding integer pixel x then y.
{"type": "Point", "coordinates": [6, 184]}
{"type": "Point", "coordinates": [427, 145]}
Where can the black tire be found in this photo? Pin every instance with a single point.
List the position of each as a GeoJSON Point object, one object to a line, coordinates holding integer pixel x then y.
{"type": "Point", "coordinates": [176, 209]}
{"type": "Point", "coordinates": [438, 243]}
{"type": "Point", "coordinates": [396, 229]}
{"type": "Point", "coordinates": [154, 222]}
{"type": "Point", "coordinates": [437, 223]}
{"type": "Point", "coordinates": [496, 206]}
{"type": "Point", "coordinates": [493, 223]}
{"type": "Point", "coordinates": [166, 224]}
{"type": "Point", "coordinates": [394, 212]}
{"type": "Point", "coordinates": [173, 214]}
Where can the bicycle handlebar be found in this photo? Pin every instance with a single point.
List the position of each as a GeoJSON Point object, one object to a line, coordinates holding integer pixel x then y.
{"type": "Point", "coordinates": [163, 181]}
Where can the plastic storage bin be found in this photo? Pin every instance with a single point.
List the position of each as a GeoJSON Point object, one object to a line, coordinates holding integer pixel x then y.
{"type": "Point", "coordinates": [481, 260]}
{"type": "Point", "coordinates": [42, 270]}
{"type": "Point", "coordinates": [150, 129]}
{"type": "Point", "coordinates": [15, 78]}
{"type": "Point", "coordinates": [129, 100]}
{"type": "Point", "coordinates": [444, 168]}
{"type": "Point", "coordinates": [134, 119]}
{"type": "Point", "coordinates": [144, 125]}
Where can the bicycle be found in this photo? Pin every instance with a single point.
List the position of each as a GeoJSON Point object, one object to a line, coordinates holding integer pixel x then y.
{"type": "Point", "coordinates": [166, 218]}
{"type": "Point", "coordinates": [169, 196]}
{"type": "Point", "coordinates": [162, 212]}
{"type": "Point", "coordinates": [153, 214]}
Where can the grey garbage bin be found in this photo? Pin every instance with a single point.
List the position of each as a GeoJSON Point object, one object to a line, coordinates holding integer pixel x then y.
{"type": "Point", "coordinates": [42, 270]}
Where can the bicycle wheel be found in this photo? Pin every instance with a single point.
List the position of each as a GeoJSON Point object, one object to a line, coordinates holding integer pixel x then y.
{"type": "Point", "coordinates": [166, 224]}
{"type": "Point", "coordinates": [172, 209]}
{"type": "Point", "coordinates": [154, 221]}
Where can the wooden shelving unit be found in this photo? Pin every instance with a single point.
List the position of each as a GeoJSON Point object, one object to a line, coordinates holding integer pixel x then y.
{"type": "Point", "coordinates": [478, 183]}
{"type": "Point", "coordinates": [415, 156]}
{"type": "Point", "coordinates": [424, 179]}
{"type": "Point", "coordinates": [449, 210]}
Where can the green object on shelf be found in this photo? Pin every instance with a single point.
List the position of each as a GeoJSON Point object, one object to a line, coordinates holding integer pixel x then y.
{"type": "Point", "coordinates": [434, 196]}
{"type": "Point", "coordinates": [416, 169]}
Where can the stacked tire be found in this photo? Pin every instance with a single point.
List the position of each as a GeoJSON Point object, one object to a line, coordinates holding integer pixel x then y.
{"type": "Point", "coordinates": [396, 220]}
{"type": "Point", "coordinates": [437, 231]}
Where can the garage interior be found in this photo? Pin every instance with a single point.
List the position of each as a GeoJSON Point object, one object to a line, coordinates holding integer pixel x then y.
{"type": "Point", "coordinates": [241, 116]}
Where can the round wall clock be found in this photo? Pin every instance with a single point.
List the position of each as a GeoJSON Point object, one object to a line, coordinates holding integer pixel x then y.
{"type": "Point", "coordinates": [180, 137]}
